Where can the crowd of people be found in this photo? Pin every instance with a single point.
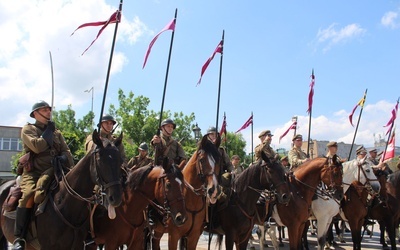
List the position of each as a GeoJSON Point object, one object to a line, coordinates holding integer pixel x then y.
{"type": "Point", "coordinates": [47, 147]}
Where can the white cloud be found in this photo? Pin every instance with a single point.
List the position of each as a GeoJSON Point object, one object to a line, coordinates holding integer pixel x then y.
{"type": "Point", "coordinates": [36, 27]}
{"type": "Point", "coordinates": [390, 20]}
{"type": "Point", "coordinates": [332, 36]}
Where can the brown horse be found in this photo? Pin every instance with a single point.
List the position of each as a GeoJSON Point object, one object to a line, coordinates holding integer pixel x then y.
{"type": "Point", "coordinates": [246, 190]}
{"type": "Point", "coordinates": [303, 183]}
{"type": "Point", "coordinates": [164, 184]}
{"type": "Point", "coordinates": [64, 222]}
{"type": "Point", "coordinates": [201, 179]}
{"type": "Point", "coordinates": [386, 208]}
{"type": "Point", "coordinates": [354, 205]}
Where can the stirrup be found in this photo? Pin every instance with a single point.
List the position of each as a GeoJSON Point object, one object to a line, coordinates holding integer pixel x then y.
{"type": "Point", "coordinates": [21, 244]}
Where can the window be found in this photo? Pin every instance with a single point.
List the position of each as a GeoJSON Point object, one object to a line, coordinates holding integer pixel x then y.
{"type": "Point", "coordinates": [12, 144]}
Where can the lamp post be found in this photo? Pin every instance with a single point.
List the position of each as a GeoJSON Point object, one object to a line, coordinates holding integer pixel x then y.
{"type": "Point", "coordinates": [88, 91]}
{"type": "Point", "coordinates": [196, 131]}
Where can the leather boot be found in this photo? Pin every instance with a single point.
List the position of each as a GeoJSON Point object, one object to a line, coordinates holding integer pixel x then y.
{"type": "Point", "coordinates": [20, 228]}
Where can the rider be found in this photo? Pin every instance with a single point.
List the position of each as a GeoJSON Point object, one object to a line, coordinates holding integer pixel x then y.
{"type": "Point", "coordinates": [296, 155]}
{"type": "Point", "coordinates": [265, 146]}
{"type": "Point", "coordinates": [46, 145]}
{"type": "Point", "coordinates": [106, 130]}
{"type": "Point", "coordinates": [142, 159]}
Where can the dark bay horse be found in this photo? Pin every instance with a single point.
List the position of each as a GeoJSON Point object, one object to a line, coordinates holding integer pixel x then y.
{"type": "Point", "coordinates": [238, 218]}
{"type": "Point", "coordinates": [64, 222]}
{"type": "Point", "coordinates": [201, 180]}
{"type": "Point", "coordinates": [386, 208]}
{"type": "Point", "coordinates": [303, 183]}
{"type": "Point", "coordinates": [355, 203]}
{"type": "Point", "coordinates": [164, 184]}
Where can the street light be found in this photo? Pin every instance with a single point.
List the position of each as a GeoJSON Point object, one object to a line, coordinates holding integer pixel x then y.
{"type": "Point", "coordinates": [196, 131]}
{"type": "Point", "coordinates": [88, 91]}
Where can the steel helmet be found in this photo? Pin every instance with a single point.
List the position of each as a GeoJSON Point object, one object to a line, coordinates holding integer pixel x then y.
{"type": "Point", "coordinates": [38, 105]}
{"type": "Point", "coordinates": [168, 121]}
{"type": "Point", "coordinates": [211, 130]}
{"type": "Point", "coordinates": [108, 117]}
{"type": "Point", "coordinates": [143, 146]}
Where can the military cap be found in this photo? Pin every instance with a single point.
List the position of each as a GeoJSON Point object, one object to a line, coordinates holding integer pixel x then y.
{"type": "Point", "coordinates": [331, 144]}
{"type": "Point", "coordinates": [361, 150]}
{"type": "Point", "coordinates": [143, 146]}
{"type": "Point", "coordinates": [39, 105]}
{"type": "Point", "coordinates": [265, 132]}
{"type": "Point", "coordinates": [284, 158]}
{"type": "Point", "coordinates": [168, 121]}
{"type": "Point", "coordinates": [373, 150]}
{"type": "Point", "coordinates": [211, 129]}
{"type": "Point", "coordinates": [298, 136]}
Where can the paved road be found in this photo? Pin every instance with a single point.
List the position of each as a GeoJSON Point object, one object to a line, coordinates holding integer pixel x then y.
{"type": "Point", "coordinates": [367, 243]}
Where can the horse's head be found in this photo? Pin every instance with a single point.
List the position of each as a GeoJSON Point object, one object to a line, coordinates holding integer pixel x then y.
{"type": "Point", "coordinates": [209, 167]}
{"type": "Point", "coordinates": [332, 176]}
{"type": "Point", "coordinates": [273, 174]}
{"type": "Point", "coordinates": [169, 192]}
{"type": "Point", "coordinates": [361, 170]}
{"type": "Point", "coordinates": [105, 168]}
{"type": "Point", "coordinates": [382, 176]}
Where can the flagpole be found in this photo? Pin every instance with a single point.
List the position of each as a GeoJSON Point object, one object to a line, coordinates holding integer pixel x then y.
{"type": "Point", "coordinates": [220, 76]}
{"type": "Point", "coordinates": [52, 84]}
{"type": "Point", "coordinates": [118, 19]}
{"type": "Point", "coordinates": [358, 122]}
{"type": "Point", "coordinates": [390, 133]}
{"type": "Point", "coordinates": [309, 118]}
{"type": "Point", "coordinates": [252, 151]}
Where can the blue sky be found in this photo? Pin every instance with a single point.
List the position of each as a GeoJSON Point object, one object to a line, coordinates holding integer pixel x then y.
{"type": "Point", "coordinates": [270, 49]}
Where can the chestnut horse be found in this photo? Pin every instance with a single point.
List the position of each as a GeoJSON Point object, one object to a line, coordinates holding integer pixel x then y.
{"type": "Point", "coordinates": [386, 208]}
{"type": "Point", "coordinates": [164, 184]}
{"type": "Point", "coordinates": [303, 183]}
{"type": "Point", "coordinates": [238, 217]}
{"type": "Point", "coordinates": [64, 222]}
{"type": "Point", "coordinates": [201, 175]}
{"type": "Point", "coordinates": [354, 205]}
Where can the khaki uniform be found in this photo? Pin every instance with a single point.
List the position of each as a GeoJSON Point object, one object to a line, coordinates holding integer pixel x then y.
{"type": "Point", "coordinates": [373, 160]}
{"type": "Point", "coordinates": [42, 158]}
{"type": "Point", "coordinates": [172, 149]}
{"type": "Point", "coordinates": [267, 150]}
{"type": "Point", "coordinates": [138, 162]}
{"type": "Point", "coordinates": [89, 143]}
{"type": "Point", "coordinates": [296, 157]}
{"type": "Point", "coordinates": [237, 170]}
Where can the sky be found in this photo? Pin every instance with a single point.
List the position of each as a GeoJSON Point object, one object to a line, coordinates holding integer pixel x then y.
{"type": "Point", "coordinates": [270, 49]}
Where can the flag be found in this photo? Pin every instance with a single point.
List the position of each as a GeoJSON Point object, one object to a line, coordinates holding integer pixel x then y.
{"type": "Point", "coordinates": [361, 104]}
{"type": "Point", "coordinates": [393, 118]}
{"type": "Point", "coordinates": [170, 26]}
{"type": "Point", "coordinates": [389, 154]}
{"type": "Point", "coordinates": [223, 127]}
{"type": "Point", "coordinates": [246, 124]}
{"type": "Point", "coordinates": [115, 17]}
{"type": "Point", "coordinates": [219, 49]}
{"type": "Point", "coordinates": [293, 126]}
{"type": "Point", "coordinates": [311, 94]}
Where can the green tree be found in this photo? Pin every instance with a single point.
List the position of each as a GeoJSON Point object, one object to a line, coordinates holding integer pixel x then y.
{"type": "Point", "coordinates": [235, 145]}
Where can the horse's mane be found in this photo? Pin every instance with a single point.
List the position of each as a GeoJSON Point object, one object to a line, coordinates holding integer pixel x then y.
{"type": "Point", "coordinates": [137, 177]}
{"type": "Point", "coordinates": [313, 161]}
{"type": "Point", "coordinates": [241, 183]}
{"type": "Point", "coordinates": [394, 180]}
{"type": "Point", "coordinates": [211, 148]}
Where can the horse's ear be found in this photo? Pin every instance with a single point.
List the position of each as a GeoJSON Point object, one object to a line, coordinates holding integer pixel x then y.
{"type": "Point", "coordinates": [118, 141]}
{"type": "Point", "coordinates": [96, 139]}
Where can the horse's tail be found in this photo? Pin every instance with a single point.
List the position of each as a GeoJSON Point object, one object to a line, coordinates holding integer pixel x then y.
{"type": "Point", "coordinates": [220, 237]}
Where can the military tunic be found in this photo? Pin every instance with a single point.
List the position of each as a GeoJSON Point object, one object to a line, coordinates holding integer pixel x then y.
{"type": "Point", "coordinates": [265, 146]}
{"type": "Point", "coordinates": [138, 162]}
{"type": "Point", "coordinates": [42, 157]}
{"type": "Point", "coordinates": [296, 157]}
{"type": "Point", "coordinates": [89, 143]}
{"type": "Point", "coordinates": [172, 149]}
{"type": "Point", "coordinates": [373, 160]}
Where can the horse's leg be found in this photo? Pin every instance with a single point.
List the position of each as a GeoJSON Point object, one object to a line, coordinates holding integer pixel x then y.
{"type": "Point", "coordinates": [390, 228]}
{"type": "Point", "coordinates": [304, 240]}
{"type": "Point", "coordinates": [281, 231]}
{"type": "Point", "coordinates": [324, 224]}
{"type": "Point", "coordinates": [192, 240]}
{"type": "Point", "coordinates": [272, 234]}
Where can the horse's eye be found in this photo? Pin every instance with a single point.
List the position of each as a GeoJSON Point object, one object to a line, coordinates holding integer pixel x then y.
{"type": "Point", "coordinates": [367, 170]}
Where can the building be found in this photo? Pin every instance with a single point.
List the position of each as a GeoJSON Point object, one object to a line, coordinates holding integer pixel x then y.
{"type": "Point", "coordinates": [318, 149]}
{"type": "Point", "coordinates": [10, 145]}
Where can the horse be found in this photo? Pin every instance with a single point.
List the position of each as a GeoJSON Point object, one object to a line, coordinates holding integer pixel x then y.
{"type": "Point", "coordinates": [386, 208]}
{"type": "Point", "coordinates": [265, 174]}
{"type": "Point", "coordinates": [359, 182]}
{"type": "Point", "coordinates": [325, 207]}
{"type": "Point", "coordinates": [164, 184]}
{"type": "Point", "coordinates": [303, 183]}
{"type": "Point", "coordinates": [64, 222]}
{"type": "Point", "coordinates": [201, 174]}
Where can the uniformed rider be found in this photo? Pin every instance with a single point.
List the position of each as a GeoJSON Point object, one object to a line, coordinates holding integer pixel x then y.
{"type": "Point", "coordinates": [265, 145]}
{"type": "Point", "coordinates": [296, 155]}
{"type": "Point", "coordinates": [142, 159]}
{"type": "Point", "coordinates": [46, 145]}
